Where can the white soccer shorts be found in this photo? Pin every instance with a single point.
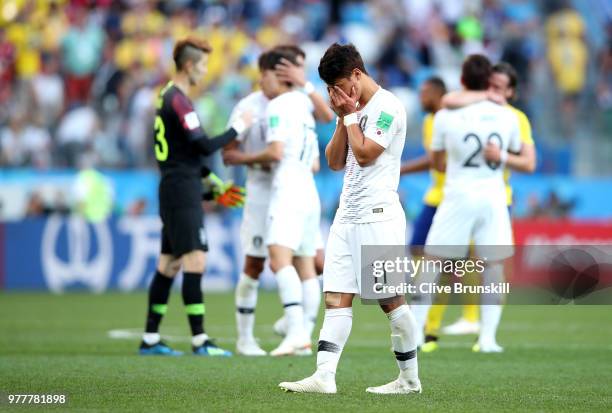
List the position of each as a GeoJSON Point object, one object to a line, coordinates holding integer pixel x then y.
{"type": "Point", "coordinates": [342, 268]}
{"type": "Point", "coordinates": [485, 222]}
{"type": "Point", "coordinates": [253, 229]}
{"type": "Point", "coordinates": [293, 228]}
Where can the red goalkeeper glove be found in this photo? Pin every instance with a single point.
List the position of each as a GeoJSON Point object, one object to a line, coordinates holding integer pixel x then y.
{"type": "Point", "coordinates": [233, 196]}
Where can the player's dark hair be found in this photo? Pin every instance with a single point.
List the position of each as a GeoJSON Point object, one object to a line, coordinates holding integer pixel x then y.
{"type": "Point", "coordinates": [338, 62]}
{"type": "Point", "coordinates": [262, 61]}
{"type": "Point", "coordinates": [475, 72]}
{"type": "Point", "coordinates": [271, 58]}
{"type": "Point", "coordinates": [292, 49]}
{"type": "Point", "coordinates": [438, 84]}
{"type": "Point", "coordinates": [268, 60]}
{"type": "Point", "coordinates": [190, 49]}
{"type": "Point", "coordinates": [507, 69]}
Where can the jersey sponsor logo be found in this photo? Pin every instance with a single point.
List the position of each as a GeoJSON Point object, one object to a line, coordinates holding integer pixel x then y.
{"type": "Point", "coordinates": [384, 121]}
{"type": "Point", "coordinates": [191, 121]}
{"type": "Point", "coordinates": [377, 210]}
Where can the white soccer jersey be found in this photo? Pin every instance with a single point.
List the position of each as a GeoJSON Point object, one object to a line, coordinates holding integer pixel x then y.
{"type": "Point", "coordinates": [289, 120]}
{"type": "Point", "coordinates": [254, 140]}
{"type": "Point", "coordinates": [474, 205]}
{"type": "Point", "coordinates": [369, 193]}
{"type": "Point", "coordinates": [464, 133]}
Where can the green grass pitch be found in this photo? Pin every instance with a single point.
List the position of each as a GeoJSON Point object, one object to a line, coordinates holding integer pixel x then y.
{"type": "Point", "coordinates": [556, 359]}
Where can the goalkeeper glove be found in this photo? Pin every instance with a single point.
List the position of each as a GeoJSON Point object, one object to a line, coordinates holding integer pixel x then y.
{"type": "Point", "coordinates": [224, 193]}
{"type": "Point", "coordinates": [233, 197]}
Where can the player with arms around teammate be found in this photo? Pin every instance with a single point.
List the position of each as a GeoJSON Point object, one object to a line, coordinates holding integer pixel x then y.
{"type": "Point", "coordinates": [503, 82]}
{"type": "Point", "coordinates": [294, 210]}
{"type": "Point", "coordinates": [502, 88]}
{"type": "Point", "coordinates": [474, 205]}
{"type": "Point", "coordinates": [431, 94]}
{"type": "Point", "coordinates": [367, 144]}
{"type": "Point", "coordinates": [259, 182]}
{"type": "Point", "coordinates": [180, 142]}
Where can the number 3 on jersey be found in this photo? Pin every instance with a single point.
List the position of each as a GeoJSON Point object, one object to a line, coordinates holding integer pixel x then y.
{"type": "Point", "coordinates": [161, 144]}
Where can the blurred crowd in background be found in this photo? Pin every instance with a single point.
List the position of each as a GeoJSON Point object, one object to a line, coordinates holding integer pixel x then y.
{"type": "Point", "coordinates": [78, 77]}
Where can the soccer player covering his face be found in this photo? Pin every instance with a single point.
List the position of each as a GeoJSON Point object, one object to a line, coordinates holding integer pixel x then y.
{"type": "Point", "coordinates": [180, 143]}
{"type": "Point", "coordinates": [367, 144]}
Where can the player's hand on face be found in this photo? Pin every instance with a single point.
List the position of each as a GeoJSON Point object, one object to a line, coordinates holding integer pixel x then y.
{"type": "Point", "coordinates": [233, 157]}
{"type": "Point", "coordinates": [333, 101]}
{"type": "Point", "coordinates": [346, 103]}
{"type": "Point", "coordinates": [492, 152]}
{"type": "Point", "coordinates": [289, 72]}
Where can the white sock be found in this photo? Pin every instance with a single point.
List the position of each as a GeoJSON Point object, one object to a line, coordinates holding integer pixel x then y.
{"type": "Point", "coordinates": [491, 308]}
{"type": "Point", "coordinates": [199, 339]}
{"type": "Point", "coordinates": [332, 338]}
{"type": "Point", "coordinates": [151, 338]}
{"type": "Point", "coordinates": [419, 312]}
{"type": "Point", "coordinates": [421, 302]}
{"type": "Point", "coordinates": [311, 300]}
{"type": "Point", "coordinates": [290, 291]}
{"type": "Point", "coordinates": [403, 340]}
{"type": "Point", "coordinates": [489, 320]}
{"type": "Point", "coordinates": [246, 301]}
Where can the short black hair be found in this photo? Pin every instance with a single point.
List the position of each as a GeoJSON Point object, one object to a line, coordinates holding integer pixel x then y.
{"type": "Point", "coordinates": [338, 62]}
{"type": "Point", "coordinates": [189, 49]}
{"type": "Point", "coordinates": [262, 61]}
{"type": "Point", "coordinates": [475, 72]}
{"type": "Point", "coordinates": [437, 83]}
{"type": "Point", "coordinates": [507, 69]}
{"type": "Point", "coordinates": [268, 60]}
{"type": "Point", "coordinates": [292, 49]}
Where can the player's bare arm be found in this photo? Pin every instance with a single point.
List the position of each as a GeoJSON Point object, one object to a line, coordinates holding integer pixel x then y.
{"type": "Point", "coordinates": [461, 98]}
{"type": "Point", "coordinates": [231, 145]}
{"type": "Point", "coordinates": [422, 163]}
{"type": "Point", "coordinates": [524, 161]}
{"type": "Point", "coordinates": [365, 150]}
{"type": "Point", "coordinates": [438, 160]}
{"type": "Point", "coordinates": [272, 153]}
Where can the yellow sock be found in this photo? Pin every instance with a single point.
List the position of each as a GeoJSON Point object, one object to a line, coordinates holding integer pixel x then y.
{"type": "Point", "coordinates": [434, 319]}
{"type": "Point", "coordinates": [471, 312]}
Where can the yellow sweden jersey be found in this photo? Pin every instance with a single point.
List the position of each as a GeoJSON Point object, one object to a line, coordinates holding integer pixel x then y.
{"type": "Point", "coordinates": [526, 139]}
{"type": "Point", "coordinates": [434, 194]}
